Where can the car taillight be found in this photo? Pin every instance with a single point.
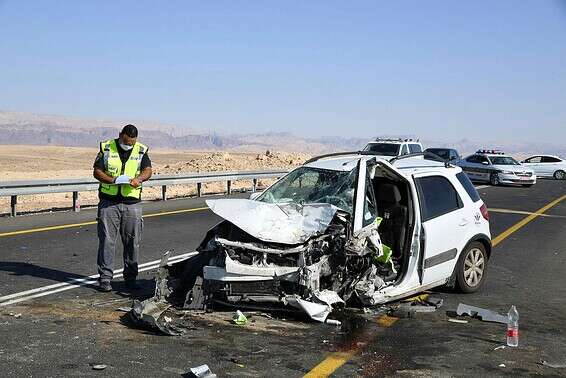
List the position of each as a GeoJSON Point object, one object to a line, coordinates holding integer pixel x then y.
{"type": "Point", "coordinates": [484, 212]}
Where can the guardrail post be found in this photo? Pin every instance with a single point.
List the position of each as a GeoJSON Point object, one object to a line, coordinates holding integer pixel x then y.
{"type": "Point", "coordinates": [229, 187]}
{"type": "Point", "coordinates": [13, 203]}
{"type": "Point", "coordinates": [76, 204]}
{"type": "Point", "coordinates": [164, 192]}
{"type": "Point", "coordinates": [254, 186]}
{"type": "Point", "coordinates": [199, 189]}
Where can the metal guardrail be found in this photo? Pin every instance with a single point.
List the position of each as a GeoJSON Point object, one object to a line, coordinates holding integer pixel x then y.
{"type": "Point", "coordinates": [14, 189]}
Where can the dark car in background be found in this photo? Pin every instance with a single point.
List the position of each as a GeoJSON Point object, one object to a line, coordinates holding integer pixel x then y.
{"type": "Point", "coordinates": [448, 154]}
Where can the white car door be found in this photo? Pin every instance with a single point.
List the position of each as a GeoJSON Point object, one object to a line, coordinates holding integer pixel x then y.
{"type": "Point", "coordinates": [535, 164]}
{"type": "Point", "coordinates": [444, 226]}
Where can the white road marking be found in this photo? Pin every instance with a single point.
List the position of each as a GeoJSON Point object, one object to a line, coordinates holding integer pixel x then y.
{"type": "Point", "coordinates": [77, 282]}
{"type": "Point", "coordinates": [482, 186]}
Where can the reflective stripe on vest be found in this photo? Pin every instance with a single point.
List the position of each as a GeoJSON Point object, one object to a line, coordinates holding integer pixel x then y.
{"type": "Point", "coordinates": [113, 167]}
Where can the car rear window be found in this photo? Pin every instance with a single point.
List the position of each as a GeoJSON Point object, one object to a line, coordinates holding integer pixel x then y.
{"type": "Point", "coordinates": [437, 196]}
{"type": "Point", "coordinates": [415, 148]}
{"type": "Point", "coordinates": [467, 184]}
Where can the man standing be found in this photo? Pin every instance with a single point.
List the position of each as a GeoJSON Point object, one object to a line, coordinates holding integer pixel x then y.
{"type": "Point", "coordinates": [121, 166]}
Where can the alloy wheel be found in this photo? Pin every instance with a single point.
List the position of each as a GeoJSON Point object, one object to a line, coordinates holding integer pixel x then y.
{"type": "Point", "coordinates": [474, 266]}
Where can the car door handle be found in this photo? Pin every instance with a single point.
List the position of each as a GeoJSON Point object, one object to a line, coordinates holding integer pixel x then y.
{"type": "Point", "coordinates": [463, 222]}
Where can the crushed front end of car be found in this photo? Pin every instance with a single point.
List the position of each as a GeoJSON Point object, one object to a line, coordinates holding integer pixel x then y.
{"type": "Point", "coordinates": [302, 257]}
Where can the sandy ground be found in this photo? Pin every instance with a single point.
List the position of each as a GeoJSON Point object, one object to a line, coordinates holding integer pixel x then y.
{"type": "Point", "coordinates": [35, 163]}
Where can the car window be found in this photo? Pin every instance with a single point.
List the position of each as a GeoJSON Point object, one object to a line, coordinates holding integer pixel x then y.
{"type": "Point", "coordinates": [482, 159]}
{"type": "Point", "coordinates": [386, 149]}
{"type": "Point", "coordinates": [472, 159]}
{"type": "Point", "coordinates": [415, 148]}
{"type": "Point", "coordinates": [550, 159]}
{"type": "Point", "coordinates": [468, 186]}
{"type": "Point", "coordinates": [437, 196]}
{"type": "Point", "coordinates": [535, 159]}
{"type": "Point", "coordinates": [503, 160]}
{"type": "Point", "coordinates": [370, 211]}
{"type": "Point", "coordinates": [443, 153]}
{"type": "Point", "coordinates": [454, 155]}
{"type": "Point", "coordinates": [404, 150]}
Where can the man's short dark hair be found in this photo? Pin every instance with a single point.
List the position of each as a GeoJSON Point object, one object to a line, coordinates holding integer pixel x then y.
{"type": "Point", "coordinates": [130, 130]}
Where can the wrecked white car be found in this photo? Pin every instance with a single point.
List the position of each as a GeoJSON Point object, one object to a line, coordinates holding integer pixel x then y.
{"type": "Point", "coordinates": [341, 230]}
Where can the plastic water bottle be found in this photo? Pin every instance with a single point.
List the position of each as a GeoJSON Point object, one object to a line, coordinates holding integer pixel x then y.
{"type": "Point", "coordinates": [513, 327]}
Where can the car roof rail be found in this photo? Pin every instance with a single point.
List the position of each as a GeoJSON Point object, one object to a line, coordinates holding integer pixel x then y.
{"type": "Point", "coordinates": [334, 154]}
{"type": "Point", "coordinates": [426, 155]}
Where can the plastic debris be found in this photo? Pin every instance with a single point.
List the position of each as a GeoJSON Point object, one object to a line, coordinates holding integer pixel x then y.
{"type": "Point", "coordinates": [501, 365]}
{"type": "Point", "coordinates": [453, 320]}
{"type": "Point", "coordinates": [500, 347]}
{"type": "Point", "coordinates": [333, 322]}
{"type": "Point", "coordinates": [239, 318]}
{"type": "Point", "coordinates": [481, 313]}
{"type": "Point", "coordinates": [99, 367]}
{"type": "Point", "coordinates": [202, 371]}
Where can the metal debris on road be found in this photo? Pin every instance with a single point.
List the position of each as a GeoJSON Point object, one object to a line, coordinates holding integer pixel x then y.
{"type": "Point", "coordinates": [554, 365]}
{"type": "Point", "coordinates": [481, 313]}
{"type": "Point", "coordinates": [202, 371]}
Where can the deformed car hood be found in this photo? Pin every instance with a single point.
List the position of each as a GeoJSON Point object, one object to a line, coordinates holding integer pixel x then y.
{"type": "Point", "coordinates": [287, 223]}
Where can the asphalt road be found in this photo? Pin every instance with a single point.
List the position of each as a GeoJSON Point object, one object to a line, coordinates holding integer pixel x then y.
{"type": "Point", "coordinates": [65, 333]}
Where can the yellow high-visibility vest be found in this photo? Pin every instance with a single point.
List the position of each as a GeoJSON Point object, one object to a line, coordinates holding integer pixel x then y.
{"type": "Point", "coordinates": [113, 166]}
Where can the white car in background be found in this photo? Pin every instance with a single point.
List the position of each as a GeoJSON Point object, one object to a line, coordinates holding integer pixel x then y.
{"type": "Point", "coordinates": [547, 166]}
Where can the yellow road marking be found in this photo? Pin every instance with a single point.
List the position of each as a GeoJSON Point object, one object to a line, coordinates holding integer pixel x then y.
{"type": "Point", "coordinates": [509, 211]}
{"type": "Point", "coordinates": [64, 226]}
{"type": "Point", "coordinates": [336, 359]}
{"type": "Point", "coordinates": [505, 234]}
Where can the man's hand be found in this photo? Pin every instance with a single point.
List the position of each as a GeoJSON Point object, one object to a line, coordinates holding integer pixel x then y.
{"type": "Point", "coordinates": [135, 182]}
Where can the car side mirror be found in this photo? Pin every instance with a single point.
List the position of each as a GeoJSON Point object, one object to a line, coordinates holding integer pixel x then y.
{"type": "Point", "coordinates": [254, 195]}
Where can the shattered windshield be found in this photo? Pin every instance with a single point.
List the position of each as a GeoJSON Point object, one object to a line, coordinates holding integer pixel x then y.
{"type": "Point", "coordinates": [307, 185]}
{"type": "Point", "coordinates": [503, 160]}
{"type": "Point", "coordinates": [386, 149]}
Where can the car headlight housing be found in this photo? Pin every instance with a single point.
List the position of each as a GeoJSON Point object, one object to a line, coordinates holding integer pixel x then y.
{"type": "Point", "coordinates": [508, 172]}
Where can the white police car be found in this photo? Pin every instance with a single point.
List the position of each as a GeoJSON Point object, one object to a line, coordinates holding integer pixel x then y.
{"type": "Point", "coordinates": [496, 168]}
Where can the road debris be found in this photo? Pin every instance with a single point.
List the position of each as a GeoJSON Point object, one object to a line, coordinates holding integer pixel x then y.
{"type": "Point", "coordinates": [99, 367]}
{"type": "Point", "coordinates": [239, 318]}
{"type": "Point", "coordinates": [554, 365]}
{"type": "Point", "coordinates": [500, 347]}
{"type": "Point", "coordinates": [17, 316]}
{"type": "Point", "coordinates": [501, 365]}
{"type": "Point", "coordinates": [333, 322]}
{"type": "Point", "coordinates": [202, 371]}
{"type": "Point", "coordinates": [454, 320]}
{"type": "Point", "coordinates": [481, 313]}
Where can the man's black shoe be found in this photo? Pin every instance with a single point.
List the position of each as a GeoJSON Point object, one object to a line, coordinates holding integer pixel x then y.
{"type": "Point", "coordinates": [104, 286]}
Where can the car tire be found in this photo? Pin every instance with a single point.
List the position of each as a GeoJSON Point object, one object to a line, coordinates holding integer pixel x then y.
{"type": "Point", "coordinates": [494, 179]}
{"type": "Point", "coordinates": [560, 175]}
{"type": "Point", "coordinates": [471, 268]}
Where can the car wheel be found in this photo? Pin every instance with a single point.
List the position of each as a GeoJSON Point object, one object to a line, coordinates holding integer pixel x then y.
{"type": "Point", "coordinates": [560, 175]}
{"type": "Point", "coordinates": [471, 268]}
{"type": "Point", "coordinates": [494, 179]}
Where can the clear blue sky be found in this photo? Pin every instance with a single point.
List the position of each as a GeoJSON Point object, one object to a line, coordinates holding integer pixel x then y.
{"type": "Point", "coordinates": [441, 70]}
